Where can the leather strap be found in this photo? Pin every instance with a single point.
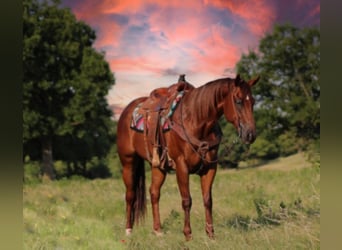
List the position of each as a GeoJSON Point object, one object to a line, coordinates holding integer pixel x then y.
{"type": "Point", "coordinates": [203, 146]}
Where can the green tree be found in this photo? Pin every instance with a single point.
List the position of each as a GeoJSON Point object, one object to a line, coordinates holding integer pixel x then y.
{"type": "Point", "coordinates": [65, 82]}
{"type": "Point", "coordinates": [287, 107]}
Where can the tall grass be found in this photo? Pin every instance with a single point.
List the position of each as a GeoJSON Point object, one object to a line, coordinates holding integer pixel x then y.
{"type": "Point", "coordinates": [253, 209]}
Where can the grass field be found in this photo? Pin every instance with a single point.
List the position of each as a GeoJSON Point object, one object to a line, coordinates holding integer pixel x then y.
{"type": "Point", "coordinates": [274, 206]}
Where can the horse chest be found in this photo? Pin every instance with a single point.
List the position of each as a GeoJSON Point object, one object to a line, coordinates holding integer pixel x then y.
{"type": "Point", "coordinates": [187, 155]}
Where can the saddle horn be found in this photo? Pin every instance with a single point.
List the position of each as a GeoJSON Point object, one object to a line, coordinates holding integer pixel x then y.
{"type": "Point", "coordinates": [181, 78]}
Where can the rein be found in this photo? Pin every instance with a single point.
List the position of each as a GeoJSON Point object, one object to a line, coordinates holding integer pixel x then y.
{"type": "Point", "coordinates": [202, 146]}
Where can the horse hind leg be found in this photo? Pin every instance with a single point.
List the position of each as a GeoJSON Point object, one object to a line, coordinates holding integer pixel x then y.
{"type": "Point", "coordinates": [127, 175]}
{"type": "Point", "coordinates": [133, 174]}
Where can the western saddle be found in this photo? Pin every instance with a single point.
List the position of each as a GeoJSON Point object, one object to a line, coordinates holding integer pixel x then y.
{"type": "Point", "coordinates": [155, 108]}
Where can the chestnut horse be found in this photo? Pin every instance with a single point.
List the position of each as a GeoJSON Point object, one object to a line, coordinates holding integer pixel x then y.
{"type": "Point", "coordinates": [192, 144]}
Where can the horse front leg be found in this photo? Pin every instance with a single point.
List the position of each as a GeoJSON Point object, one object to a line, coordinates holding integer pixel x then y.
{"type": "Point", "coordinates": [206, 185]}
{"type": "Point", "coordinates": [157, 180]}
{"type": "Point", "coordinates": [183, 185]}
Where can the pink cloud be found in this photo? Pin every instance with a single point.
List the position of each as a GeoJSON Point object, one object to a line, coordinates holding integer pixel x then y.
{"type": "Point", "coordinates": [136, 63]}
{"type": "Point", "coordinates": [148, 42]}
{"type": "Point", "coordinates": [116, 109]}
{"type": "Point", "coordinates": [110, 38]}
{"type": "Point", "coordinates": [315, 10]}
{"type": "Point", "coordinates": [194, 42]}
{"type": "Point", "coordinates": [216, 52]}
{"type": "Point", "coordinates": [134, 6]}
{"type": "Point", "coordinates": [258, 15]}
{"type": "Point", "coordinates": [175, 29]}
{"type": "Point", "coordinates": [211, 46]}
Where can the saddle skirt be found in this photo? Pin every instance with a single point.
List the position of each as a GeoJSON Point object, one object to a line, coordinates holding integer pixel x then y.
{"type": "Point", "coordinates": [138, 115]}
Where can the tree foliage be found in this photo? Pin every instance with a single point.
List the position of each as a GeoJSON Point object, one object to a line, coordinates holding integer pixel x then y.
{"type": "Point", "coordinates": [287, 110]}
{"type": "Point", "coordinates": [65, 82]}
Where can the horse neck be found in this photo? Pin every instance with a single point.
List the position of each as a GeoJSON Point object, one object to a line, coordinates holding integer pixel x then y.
{"type": "Point", "coordinates": [203, 106]}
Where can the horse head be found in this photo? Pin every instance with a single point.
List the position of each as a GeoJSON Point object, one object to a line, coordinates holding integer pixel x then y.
{"type": "Point", "coordinates": [238, 108]}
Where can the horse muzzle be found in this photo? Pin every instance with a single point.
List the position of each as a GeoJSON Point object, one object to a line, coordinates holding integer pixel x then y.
{"type": "Point", "coordinates": [246, 134]}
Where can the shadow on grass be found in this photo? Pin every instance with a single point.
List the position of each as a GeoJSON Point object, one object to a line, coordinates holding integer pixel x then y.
{"type": "Point", "coordinates": [268, 216]}
{"type": "Point", "coordinates": [247, 223]}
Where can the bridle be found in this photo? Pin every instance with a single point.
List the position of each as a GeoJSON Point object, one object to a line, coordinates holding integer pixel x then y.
{"type": "Point", "coordinates": [203, 146]}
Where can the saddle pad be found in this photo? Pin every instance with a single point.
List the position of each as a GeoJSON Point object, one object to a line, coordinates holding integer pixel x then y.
{"type": "Point", "coordinates": [138, 119]}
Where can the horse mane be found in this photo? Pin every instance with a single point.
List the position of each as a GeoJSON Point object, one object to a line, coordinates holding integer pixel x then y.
{"type": "Point", "coordinates": [205, 99]}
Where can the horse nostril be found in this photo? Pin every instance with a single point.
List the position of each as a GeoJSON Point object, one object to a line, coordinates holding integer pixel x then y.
{"type": "Point", "coordinates": [250, 136]}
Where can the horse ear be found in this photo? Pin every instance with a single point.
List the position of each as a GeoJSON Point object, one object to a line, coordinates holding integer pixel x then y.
{"type": "Point", "coordinates": [254, 81]}
{"type": "Point", "coordinates": [237, 80]}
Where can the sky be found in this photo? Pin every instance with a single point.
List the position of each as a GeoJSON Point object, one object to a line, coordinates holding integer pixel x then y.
{"type": "Point", "coordinates": [149, 43]}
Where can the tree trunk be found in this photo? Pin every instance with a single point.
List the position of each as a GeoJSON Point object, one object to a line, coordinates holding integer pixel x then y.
{"type": "Point", "coordinates": [48, 171]}
{"type": "Point", "coordinates": [69, 169]}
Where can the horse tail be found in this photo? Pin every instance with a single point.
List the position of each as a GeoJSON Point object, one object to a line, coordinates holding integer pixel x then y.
{"type": "Point", "coordinates": [139, 186]}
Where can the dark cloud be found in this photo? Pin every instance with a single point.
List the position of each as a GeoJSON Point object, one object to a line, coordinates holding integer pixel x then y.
{"type": "Point", "coordinates": [175, 72]}
{"type": "Point", "coordinates": [301, 13]}
{"type": "Point", "coordinates": [119, 19]}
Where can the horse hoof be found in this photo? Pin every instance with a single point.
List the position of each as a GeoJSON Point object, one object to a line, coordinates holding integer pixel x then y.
{"type": "Point", "coordinates": [128, 231]}
{"type": "Point", "coordinates": [211, 237]}
{"type": "Point", "coordinates": [158, 233]}
{"type": "Point", "coordinates": [188, 237]}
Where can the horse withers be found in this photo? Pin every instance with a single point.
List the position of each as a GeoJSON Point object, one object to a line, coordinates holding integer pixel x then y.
{"type": "Point", "coordinates": [191, 145]}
